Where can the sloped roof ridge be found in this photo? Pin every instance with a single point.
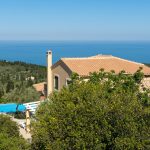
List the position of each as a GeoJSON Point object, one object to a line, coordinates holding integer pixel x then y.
{"type": "Point", "coordinates": [129, 61]}
{"type": "Point", "coordinates": [99, 56]}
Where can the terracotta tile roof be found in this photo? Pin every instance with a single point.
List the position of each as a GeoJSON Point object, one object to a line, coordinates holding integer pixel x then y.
{"type": "Point", "coordinates": [39, 86]}
{"type": "Point", "coordinates": [83, 66]}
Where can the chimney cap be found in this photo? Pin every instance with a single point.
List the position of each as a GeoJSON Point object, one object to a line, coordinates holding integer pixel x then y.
{"type": "Point", "coordinates": [49, 52]}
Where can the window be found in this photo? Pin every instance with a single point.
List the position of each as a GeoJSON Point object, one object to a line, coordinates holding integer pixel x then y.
{"type": "Point", "coordinates": [56, 82]}
{"type": "Point", "coordinates": [68, 81]}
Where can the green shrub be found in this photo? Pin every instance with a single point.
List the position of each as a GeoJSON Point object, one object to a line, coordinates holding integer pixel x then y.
{"type": "Point", "coordinates": [10, 138]}
{"type": "Point", "coordinates": [104, 113]}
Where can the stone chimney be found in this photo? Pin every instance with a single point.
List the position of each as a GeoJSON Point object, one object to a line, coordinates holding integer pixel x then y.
{"type": "Point", "coordinates": [49, 72]}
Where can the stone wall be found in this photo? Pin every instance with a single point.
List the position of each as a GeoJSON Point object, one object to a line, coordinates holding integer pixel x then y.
{"type": "Point", "coordinates": [146, 82]}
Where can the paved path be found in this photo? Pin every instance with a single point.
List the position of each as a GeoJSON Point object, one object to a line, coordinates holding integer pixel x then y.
{"type": "Point", "coordinates": [23, 132]}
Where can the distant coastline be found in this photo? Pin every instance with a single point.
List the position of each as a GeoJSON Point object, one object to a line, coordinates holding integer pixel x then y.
{"type": "Point", "coordinates": [35, 51]}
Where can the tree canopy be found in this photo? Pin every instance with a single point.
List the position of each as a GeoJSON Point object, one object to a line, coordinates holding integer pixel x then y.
{"type": "Point", "coordinates": [108, 111]}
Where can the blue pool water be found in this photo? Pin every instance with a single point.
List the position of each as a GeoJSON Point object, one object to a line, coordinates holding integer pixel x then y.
{"type": "Point", "coordinates": [11, 108]}
{"type": "Point", "coordinates": [35, 51]}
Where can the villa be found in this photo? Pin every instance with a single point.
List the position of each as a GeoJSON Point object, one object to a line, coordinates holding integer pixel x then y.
{"type": "Point", "coordinates": [58, 74]}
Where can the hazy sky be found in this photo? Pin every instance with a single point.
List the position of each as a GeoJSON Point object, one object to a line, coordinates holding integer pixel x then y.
{"type": "Point", "coordinates": [74, 19]}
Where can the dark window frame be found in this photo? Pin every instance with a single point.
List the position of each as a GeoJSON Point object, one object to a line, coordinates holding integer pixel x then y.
{"type": "Point", "coordinates": [56, 82]}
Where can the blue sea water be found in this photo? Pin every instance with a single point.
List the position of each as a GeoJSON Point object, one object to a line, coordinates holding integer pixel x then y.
{"type": "Point", "coordinates": [35, 51]}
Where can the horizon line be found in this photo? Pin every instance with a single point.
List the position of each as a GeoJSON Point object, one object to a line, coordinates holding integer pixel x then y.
{"type": "Point", "coordinates": [68, 40]}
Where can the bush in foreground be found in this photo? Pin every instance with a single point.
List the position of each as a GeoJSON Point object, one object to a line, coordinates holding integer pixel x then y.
{"type": "Point", "coordinates": [9, 135]}
{"type": "Point", "coordinates": [107, 112]}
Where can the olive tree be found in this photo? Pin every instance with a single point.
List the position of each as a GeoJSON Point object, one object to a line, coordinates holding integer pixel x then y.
{"type": "Point", "coordinates": [106, 112]}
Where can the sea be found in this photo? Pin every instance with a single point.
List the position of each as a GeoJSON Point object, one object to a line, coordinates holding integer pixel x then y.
{"type": "Point", "coordinates": [35, 51]}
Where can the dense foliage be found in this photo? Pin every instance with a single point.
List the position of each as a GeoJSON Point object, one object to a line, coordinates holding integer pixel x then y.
{"type": "Point", "coordinates": [106, 112]}
{"type": "Point", "coordinates": [9, 135]}
{"type": "Point", "coordinates": [16, 80]}
{"type": "Point", "coordinates": [147, 65]}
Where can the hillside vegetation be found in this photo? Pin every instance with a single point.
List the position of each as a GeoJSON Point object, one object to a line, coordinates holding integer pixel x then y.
{"type": "Point", "coordinates": [16, 80]}
{"type": "Point", "coordinates": [147, 65]}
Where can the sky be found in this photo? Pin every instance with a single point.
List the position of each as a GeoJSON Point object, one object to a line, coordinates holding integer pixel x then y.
{"type": "Point", "coordinates": [75, 20]}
